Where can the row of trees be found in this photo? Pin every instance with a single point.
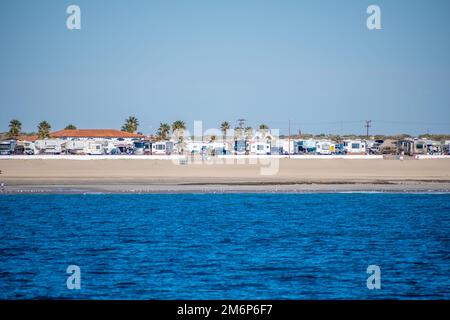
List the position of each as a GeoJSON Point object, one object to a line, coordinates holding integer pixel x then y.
{"type": "Point", "coordinates": [131, 125]}
{"type": "Point", "coordinates": [15, 129]}
{"type": "Point", "coordinates": [178, 127]}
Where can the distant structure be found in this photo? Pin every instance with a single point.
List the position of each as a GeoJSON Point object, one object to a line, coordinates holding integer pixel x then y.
{"type": "Point", "coordinates": [241, 123]}
{"type": "Point", "coordinates": [367, 126]}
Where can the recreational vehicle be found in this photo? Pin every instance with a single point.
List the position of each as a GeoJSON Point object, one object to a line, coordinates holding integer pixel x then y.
{"type": "Point", "coordinates": [446, 148]}
{"type": "Point", "coordinates": [195, 147]}
{"type": "Point", "coordinates": [218, 148]}
{"type": "Point", "coordinates": [260, 148]}
{"type": "Point", "coordinates": [50, 146]}
{"type": "Point", "coordinates": [434, 147]}
{"type": "Point", "coordinates": [162, 147]}
{"type": "Point", "coordinates": [139, 147]}
{"type": "Point", "coordinates": [241, 147]}
{"type": "Point", "coordinates": [354, 147]}
{"type": "Point", "coordinates": [75, 146]}
{"type": "Point", "coordinates": [94, 148]}
{"type": "Point", "coordinates": [147, 147]}
{"type": "Point", "coordinates": [91, 147]}
{"type": "Point", "coordinates": [325, 147]}
{"type": "Point", "coordinates": [122, 147]}
{"type": "Point", "coordinates": [7, 147]}
{"type": "Point", "coordinates": [373, 147]}
{"type": "Point", "coordinates": [339, 148]}
{"type": "Point", "coordinates": [305, 146]}
{"type": "Point", "coordinates": [287, 146]}
{"type": "Point", "coordinates": [25, 147]}
{"type": "Point", "coordinates": [412, 147]}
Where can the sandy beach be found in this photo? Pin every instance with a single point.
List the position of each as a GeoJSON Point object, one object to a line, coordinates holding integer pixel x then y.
{"type": "Point", "coordinates": [285, 175]}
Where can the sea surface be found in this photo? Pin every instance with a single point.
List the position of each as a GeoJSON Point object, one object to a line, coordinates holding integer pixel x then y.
{"type": "Point", "coordinates": [225, 246]}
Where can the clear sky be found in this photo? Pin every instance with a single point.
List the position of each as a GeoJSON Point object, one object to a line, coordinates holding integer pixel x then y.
{"type": "Point", "coordinates": [313, 62]}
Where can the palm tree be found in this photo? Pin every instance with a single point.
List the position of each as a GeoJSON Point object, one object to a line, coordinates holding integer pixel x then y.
{"type": "Point", "coordinates": [225, 126]}
{"type": "Point", "coordinates": [238, 132]}
{"type": "Point", "coordinates": [15, 126]}
{"type": "Point", "coordinates": [44, 130]}
{"type": "Point", "coordinates": [178, 128]}
{"type": "Point", "coordinates": [131, 124]}
{"type": "Point", "coordinates": [248, 132]}
{"type": "Point", "coordinates": [70, 127]}
{"type": "Point", "coordinates": [163, 131]}
{"type": "Point", "coordinates": [263, 128]}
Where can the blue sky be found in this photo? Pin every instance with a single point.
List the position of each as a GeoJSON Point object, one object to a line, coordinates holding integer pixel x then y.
{"type": "Point", "coordinates": [313, 62]}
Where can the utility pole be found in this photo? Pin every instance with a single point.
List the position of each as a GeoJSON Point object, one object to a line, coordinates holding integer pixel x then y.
{"type": "Point", "coordinates": [367, 126]}
{"type": "Point", "coordinates": [241, 123]}
{"type": "Point", "coordinates": [289, 139]}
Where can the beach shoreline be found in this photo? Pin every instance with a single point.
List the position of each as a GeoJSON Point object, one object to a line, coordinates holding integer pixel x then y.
{"type": "Point", "coordinates": [213, 188]}
{"type": "Point", "coordinates": [167, 176]}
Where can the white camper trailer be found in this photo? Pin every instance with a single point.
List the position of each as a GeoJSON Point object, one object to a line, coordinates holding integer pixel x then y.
{"type": "Point", "coordinates": [162, 147]}
{"type": "Point", "coordinates": [259, 148]}
{"type": "Point", "coordinates": [325, 147]}
{"type": "Point", "coordinates": [75, 146]}
{"type": "Point", "coordinates": [217, 148]}
{"type": "Point", "coordinates": [94, 148]}
{"type": "Point", "coordinates": [91, 147]}
{"type": "Point", "coordinates": [354, 147]}
{"type": "Point", "coordinates": [287, 146]}
{"type": "Point", "coordinates": [50, 146]}
{"type": "Point", "coordinates": [412, 147]}
{"type": "Point", "coordinates": [29, 148]}
{"type": "Point", "coordinates": [195, 146]}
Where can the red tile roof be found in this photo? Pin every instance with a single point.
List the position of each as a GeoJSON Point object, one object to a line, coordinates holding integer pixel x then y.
{"type": "Point", "coordinates": [94, 133]}
{"type": "Point", "coordinates": [30, 138]}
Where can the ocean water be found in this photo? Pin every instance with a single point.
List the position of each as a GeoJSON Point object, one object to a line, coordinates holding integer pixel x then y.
{"type": "Point", "coordinates": [225, 246]}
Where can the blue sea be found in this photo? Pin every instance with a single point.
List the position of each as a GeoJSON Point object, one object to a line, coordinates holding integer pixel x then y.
{"type": "Point", "coordinates": [225, 246]}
